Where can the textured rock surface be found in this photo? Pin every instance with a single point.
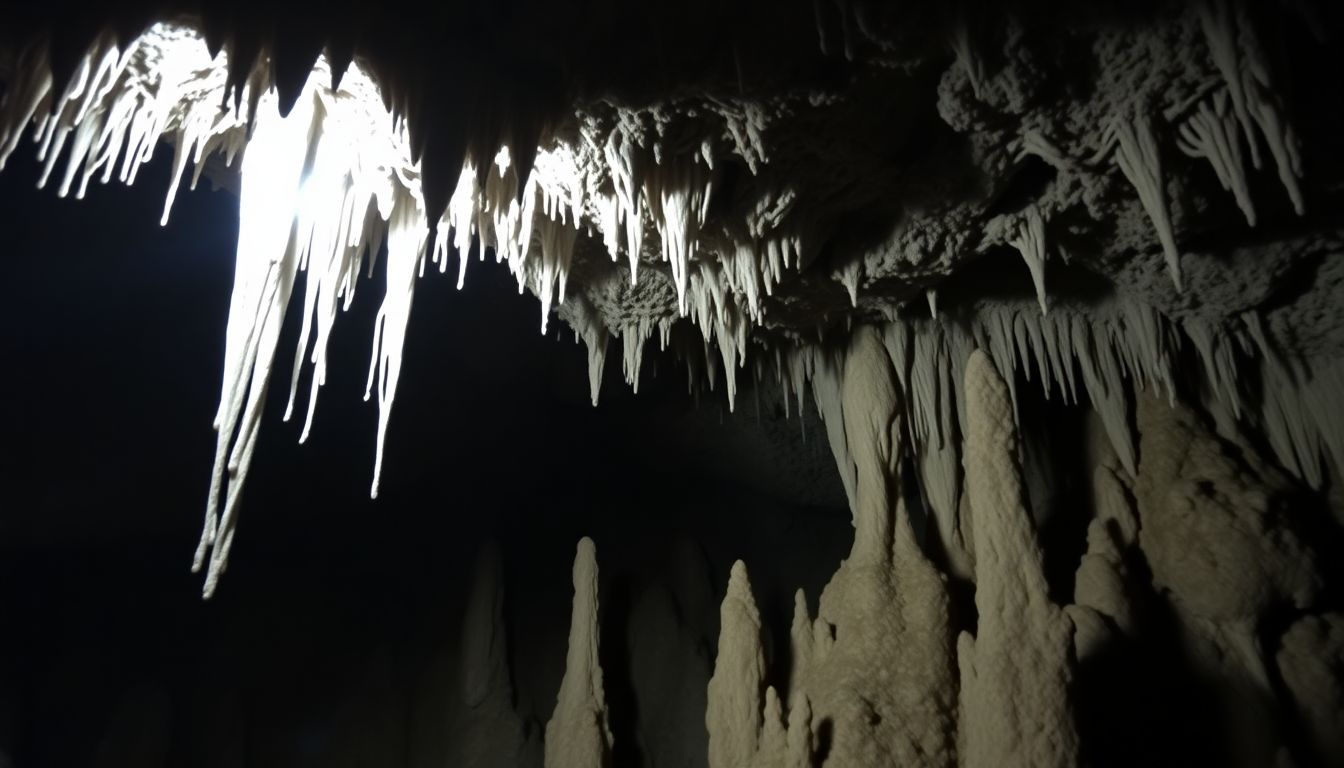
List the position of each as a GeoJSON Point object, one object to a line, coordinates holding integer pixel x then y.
{"type": "Point", "coordinates": [1138, 176]}
{"type": "Point", "coordinates": [1224, 545]}
{"type": "Point", "coordinates": [878, 673]}
{"type": "Point", "coordinates": [1016, 669]}
{"type": "Point", "coordinates": [937, 216]}
{"type": "Point", "coordinates": [734, 712]}
{"type": "Point", "coordinates": [577, 734]}
{"type": "Point", "coordinates": [1311, 663]}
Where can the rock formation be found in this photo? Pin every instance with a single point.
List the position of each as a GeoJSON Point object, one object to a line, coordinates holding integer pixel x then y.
{"type": "Point", "coordinates": [1224, 545]}
{"type": "Point", "coordinates": [1311, 663]}
{"type": "Point", "coordinates": [577, 735]}
{"type": "Point", "coordinates": [879, 668]}
{"type": "Point", "coordinates": [1015, 670]}
{"type": "Point", "coordinates": [1064, 282]}
{"type": "Point", "coordinates": [733, 715]}
{"type": "Point", "coordinates": [484, 729]}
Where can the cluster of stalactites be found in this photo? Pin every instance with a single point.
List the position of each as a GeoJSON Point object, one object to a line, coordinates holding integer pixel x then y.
{"type": "Point", "coordinates": [327, 186]}
{"type": "Point", "coordinates": [329, 183]}
{"type": "Point", "coordinates": [1226, 122]}
{"type": "Point", "coordinates": [1096, 357]}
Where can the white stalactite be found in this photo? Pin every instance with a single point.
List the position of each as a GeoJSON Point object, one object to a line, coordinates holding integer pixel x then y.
{"type": "Point", "coordinates": [266, 265]}
{"type": "Point", "coordinates": [1211, 133]}
{"type": "Point", "coordinates": [1030, 242]}
{"type": "Point", "coordinates": [1140, 159]}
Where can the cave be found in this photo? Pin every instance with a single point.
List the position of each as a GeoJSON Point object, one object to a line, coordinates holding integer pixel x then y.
{"type": "Point", "coordinates": [979, 401]}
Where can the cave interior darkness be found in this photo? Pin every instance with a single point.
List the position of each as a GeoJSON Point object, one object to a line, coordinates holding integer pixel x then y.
{"type": "Point", "coordinates": [337, 606]}
{"type": "Point", "coordinates": [1140, 205]}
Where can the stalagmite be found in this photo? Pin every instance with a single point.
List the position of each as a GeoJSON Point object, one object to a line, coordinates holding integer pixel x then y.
{"type": "Point", "coordinates": [780, 190]}
{"type": "Point", "coordinates": [881, 662]}
{"type": "Point", "coordinates": [733, 715]}
{"type": "Point", "coordinates": [670, 635]}
{"type": "Point", "coordinates": [483, 643]}
{"type": "Point", "coordinates": [800, 748]}
{"type": "Point", "coordinates": [1100, 582]}
{"type": "Point", "coordinates": [1223, 544]}
{"type": "Point", "coordinates": [577, 735]}
{"type": "Point", "coordinates": [1016, 670]}
{"type": "Point", "coordinates": [484, 729]}
{"type": "Point", "coordinates": [1311, 662]}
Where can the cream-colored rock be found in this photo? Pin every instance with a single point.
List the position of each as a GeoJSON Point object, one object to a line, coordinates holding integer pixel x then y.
{"type": "Point", "coordinates": [1101, 582]}
{"type": "Point", "coordinates": [733, 715]}
{"type": "Point", "coordinates": [800, 747]}
{"type": "Point", "coordinates": [773, 750]}
{"type": "Point", "coordinates": [1016, 670]}
{"type": "Point", "coordinates": [1220, 537]}
{"type": "Point", "coordinates": [578, 735]}
{"type": "Point", "coordinates": [1311, 663]}
{"type": "Point", "coordinates": [881, 668]}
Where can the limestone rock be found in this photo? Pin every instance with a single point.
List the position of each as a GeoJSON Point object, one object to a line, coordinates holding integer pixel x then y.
{"type": "Point", "coordinates": [577, 735]}
{"type": "Point", "coordinates": [1311, 663]}
{"type": "Point", "coordinates": [1016, 669]}
{"type": "Point", "coordinates": [733, 715]}
{"type": "Point", "coordinates": [881, 667]}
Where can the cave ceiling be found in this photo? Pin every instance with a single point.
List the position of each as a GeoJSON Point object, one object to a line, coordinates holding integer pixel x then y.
{"type": "Point", "coordinates": [1091, 193]}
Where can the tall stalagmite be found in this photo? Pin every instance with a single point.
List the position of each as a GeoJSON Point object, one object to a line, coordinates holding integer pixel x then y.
{"type": "Point", "coordinates": [671, 651]}
{"type": "Point", "coordinates": [578, 735]}
{"type": "Point", "coordinates": [485, 731]}
{"type": "Point", "coordinates": [733, 715]}
{"type": "Point", "coordinates": [880, 669]}
{"type": "Point", "coordinates": [1015, 671]}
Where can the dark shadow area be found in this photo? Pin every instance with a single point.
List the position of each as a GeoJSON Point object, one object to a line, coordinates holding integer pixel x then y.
{"type": "Point", "coordinates": [336, 611]}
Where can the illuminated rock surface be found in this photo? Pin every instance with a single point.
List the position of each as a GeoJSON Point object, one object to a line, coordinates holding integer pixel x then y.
{"type": "Point", "coordinates": [1064, 284]}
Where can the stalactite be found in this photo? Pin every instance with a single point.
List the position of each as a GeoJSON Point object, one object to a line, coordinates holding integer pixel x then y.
{"type": "Point", "coordinates": [577, 735]}
{"type": "Point", "coordinates": [1030, 242]}
{"type": "Point", "coordinates": [1211, 133]}
{"type": "Point", "coordinates": [1235, 50]}
{"type": "Point", "coordinates": [405, 250]}
{"type": "Point", "coordinates": [266, 265]}
{"type": "Point", "coordinates": [1016, 670]}
{"type": "Point", "coordinates": [678, 195]}
{"type": "Point", "coordinates": [1140, 159]}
